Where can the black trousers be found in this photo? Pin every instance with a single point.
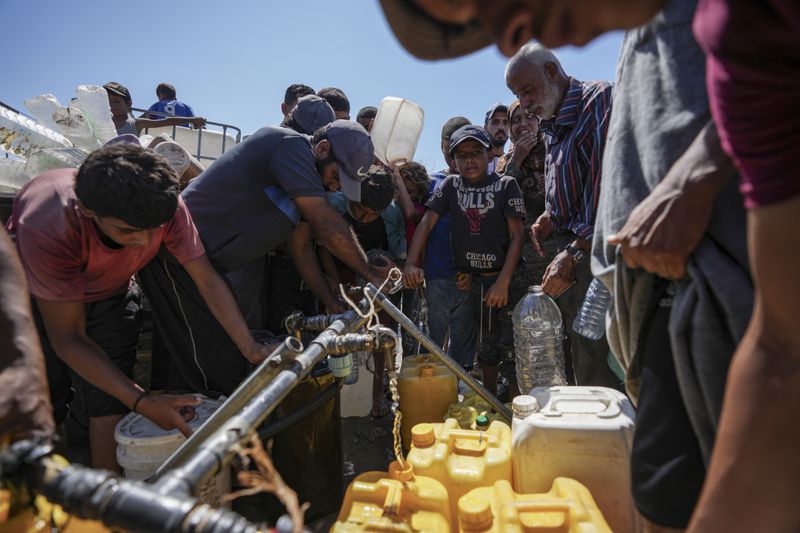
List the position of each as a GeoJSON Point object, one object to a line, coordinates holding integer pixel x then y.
{"type": "Point", "coordinates": [202, 356]}
{"type": "Point", "coordinates": [667, 467]}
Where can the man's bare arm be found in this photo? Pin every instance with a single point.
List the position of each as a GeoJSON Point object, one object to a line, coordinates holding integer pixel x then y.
{"type": "Point", "coordinates": [662, 231]}
{"type": "Point", "coordinates": [223, 306]}
{"type": "Point", "coordinates": [336, 235]}
{"type": "Point", "coordinates": [65, 323]}
{"type": "Point", "coordinates": [25, 408]}
{"type": "Point", "coordinates": [305, 260]}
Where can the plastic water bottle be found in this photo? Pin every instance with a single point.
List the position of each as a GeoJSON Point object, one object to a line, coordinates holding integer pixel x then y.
{"type": "Point", "coordinates": [93, 101]}
{"type": "Point", "coordinates": [538, 341]}
{"type": "Point", "coordinates": [42, 108]}
{"type": "Point", "coordinates": [591, 319]}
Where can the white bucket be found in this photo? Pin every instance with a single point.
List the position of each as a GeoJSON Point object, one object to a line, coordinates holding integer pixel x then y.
{"type": "Point", "coordinates": [142, 447]}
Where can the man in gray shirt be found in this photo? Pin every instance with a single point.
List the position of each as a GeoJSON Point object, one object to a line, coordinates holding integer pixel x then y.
{"type": "Point", "coordinates": [244, 205]}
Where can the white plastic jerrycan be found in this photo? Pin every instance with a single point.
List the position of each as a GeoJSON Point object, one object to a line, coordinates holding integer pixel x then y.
{"type": "Point", "coordinates": [396, 130]}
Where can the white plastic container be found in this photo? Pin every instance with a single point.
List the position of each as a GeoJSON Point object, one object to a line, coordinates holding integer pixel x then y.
{"type": "Point", "coordinates": [396, 130]}
{"type": "Point", "coordinates": [356, 398]}
{"type": "Point", "coordinates": [206, 145]}
{"type": "Point", "coordinates": [93, 101]}
{"type": "Point", "coordinates": [142, 447]}
{"type": "Point", "coordinates": [42, 108]}
{"type": "Point", "coordinates": [22, 136]}
{"type": "Point", "coordinates": [584, 433]}
{"type": "Point", "coordinates": [12, 174]}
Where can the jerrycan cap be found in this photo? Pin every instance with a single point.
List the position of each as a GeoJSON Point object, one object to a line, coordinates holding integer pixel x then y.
{"type": "Point", "coordinates": [422, 435]}
{"type": "Point", "coordinates": [482, 421]}
{"type": "Point", "coordinates": [426, 371]}
{"type": "Point", "coordinates": [401, 472]}
{"type": "Point", "coordinates": [474, 513]}
{"type": "Point", "coordinates": [524, 405]}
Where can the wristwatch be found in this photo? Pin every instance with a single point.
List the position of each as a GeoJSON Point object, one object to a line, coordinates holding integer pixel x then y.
{"type": "Point", "coordinates": [576, 253]}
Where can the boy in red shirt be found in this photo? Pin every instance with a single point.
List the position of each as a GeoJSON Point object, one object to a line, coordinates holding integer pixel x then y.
{"type": "Point", "coordinates": [81, 235]}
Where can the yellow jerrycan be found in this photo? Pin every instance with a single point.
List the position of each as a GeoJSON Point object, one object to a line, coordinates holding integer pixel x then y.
{"type": "Point", "coordinates": [427, 388]}
{"type": "Point", "coordinates": [469, 409]}
{"type": "Point", "coordinates": [567, 508]}
{"type": "Point", "coordinates": [462, 459]}
{"type": "Point", "coordinates": [398, 501]}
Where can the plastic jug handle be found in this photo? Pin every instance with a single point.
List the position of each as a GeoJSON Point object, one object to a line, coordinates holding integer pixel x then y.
{"type": "Point", "coordinates": [543, 506]}
{"type": "Point", "coordinates": [613, 408]}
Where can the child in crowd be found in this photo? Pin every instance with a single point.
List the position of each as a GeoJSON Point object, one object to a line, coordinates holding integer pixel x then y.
{"type": "Point", "coordinates": [378, 225]}
{"type": "Point", "coordinates": [486, 214]}
{"type": "Point", "coordinates": [412, 183]}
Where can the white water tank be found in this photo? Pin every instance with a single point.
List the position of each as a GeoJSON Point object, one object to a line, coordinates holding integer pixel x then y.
{"type": "Point", "coordinates": [584, 433]}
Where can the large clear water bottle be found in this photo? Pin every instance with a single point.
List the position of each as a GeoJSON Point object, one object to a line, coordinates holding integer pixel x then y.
{"type": "Point", "coordinates": [538, 341]}
{"type": "Point", "coordinates": [591, 319]}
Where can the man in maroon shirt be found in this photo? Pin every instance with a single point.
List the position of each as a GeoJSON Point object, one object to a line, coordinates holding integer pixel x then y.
{"type": "Point", "coordinates": [81, 235]}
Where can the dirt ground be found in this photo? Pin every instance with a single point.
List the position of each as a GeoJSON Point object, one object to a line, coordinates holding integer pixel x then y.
{"type": "Point", "coordinates": [367, 445]}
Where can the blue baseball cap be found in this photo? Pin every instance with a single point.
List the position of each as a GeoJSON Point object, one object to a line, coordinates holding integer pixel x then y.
{"type": "Point", "coordinates": [352, 148]}
{"type": "Point", "coordinates": [470, 131]}
{"type": "Point", "coordinates": [311, 113]}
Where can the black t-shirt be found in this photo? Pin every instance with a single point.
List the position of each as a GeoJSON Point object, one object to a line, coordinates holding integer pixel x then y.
{"type": "Point", "coordinates": [243, 203]}
{"type": "Point", "coordinates": [372, 235]}
{"type": "Point", "coordinates": [478, 226]}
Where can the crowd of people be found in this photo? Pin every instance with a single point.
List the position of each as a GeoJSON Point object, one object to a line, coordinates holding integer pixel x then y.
{"type": "Point", "coordinates": [632, 182]}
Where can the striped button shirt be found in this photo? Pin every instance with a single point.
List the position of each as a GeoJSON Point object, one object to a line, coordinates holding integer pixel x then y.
{"type": "Point", "coordinates": [575, 140]}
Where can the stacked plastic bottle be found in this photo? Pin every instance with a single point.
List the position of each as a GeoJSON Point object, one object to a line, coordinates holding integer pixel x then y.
{"type": "Point", "coordinates": [591, 319]}
{"type": "Point", "coordinates": [538, 341]}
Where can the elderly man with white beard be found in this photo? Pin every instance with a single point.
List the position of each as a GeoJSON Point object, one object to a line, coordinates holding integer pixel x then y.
{"type": "Point", "coordinates": [574, 117]}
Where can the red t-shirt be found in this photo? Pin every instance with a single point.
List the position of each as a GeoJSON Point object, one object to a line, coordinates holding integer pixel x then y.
{"type": "Point", "coordinates": [753, 77]}
{"type": "Point", "coordinates": [62, 253]}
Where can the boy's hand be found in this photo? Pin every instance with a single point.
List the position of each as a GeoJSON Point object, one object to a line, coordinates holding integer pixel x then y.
{"type": "Point", "coordinates": [413, 276]}
{"type": "Point", "coordinates": [539, 232]}
{"type": "Point", "coordinates": [169, 411]}
{"type": "Point", "coordinates": [497, 295]}
{"type": "Point", "coordinates": [464, 282]}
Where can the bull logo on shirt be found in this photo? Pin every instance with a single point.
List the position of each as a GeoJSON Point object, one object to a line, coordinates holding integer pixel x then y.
{"type": "Point", "coordinates": [474, 217]}
{"type": "Point", "coordinates": [476, 203]}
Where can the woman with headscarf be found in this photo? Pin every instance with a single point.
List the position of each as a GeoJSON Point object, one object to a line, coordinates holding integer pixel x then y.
{"type": "Point", "coordinates": [525, 162]}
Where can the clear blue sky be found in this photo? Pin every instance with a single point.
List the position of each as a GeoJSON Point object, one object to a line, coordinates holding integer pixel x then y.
{"type": "Point", "coordinates": [232, 60]}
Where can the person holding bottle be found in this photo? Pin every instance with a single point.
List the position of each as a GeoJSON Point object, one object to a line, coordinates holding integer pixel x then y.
{"type": "Point", "coordinates": [486, 214]}
{"type": "Point", "coordinates": [573, 117]}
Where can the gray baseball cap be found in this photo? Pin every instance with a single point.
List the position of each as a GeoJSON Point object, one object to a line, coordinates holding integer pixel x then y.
{"type": "Point", "coordinates": [499, 106]}
{"type": "Point", "coordinates": [354, 152]}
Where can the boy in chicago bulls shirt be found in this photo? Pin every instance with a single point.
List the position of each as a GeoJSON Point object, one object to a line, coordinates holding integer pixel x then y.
{"type": "Point", "coordinates": [486, 214]}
